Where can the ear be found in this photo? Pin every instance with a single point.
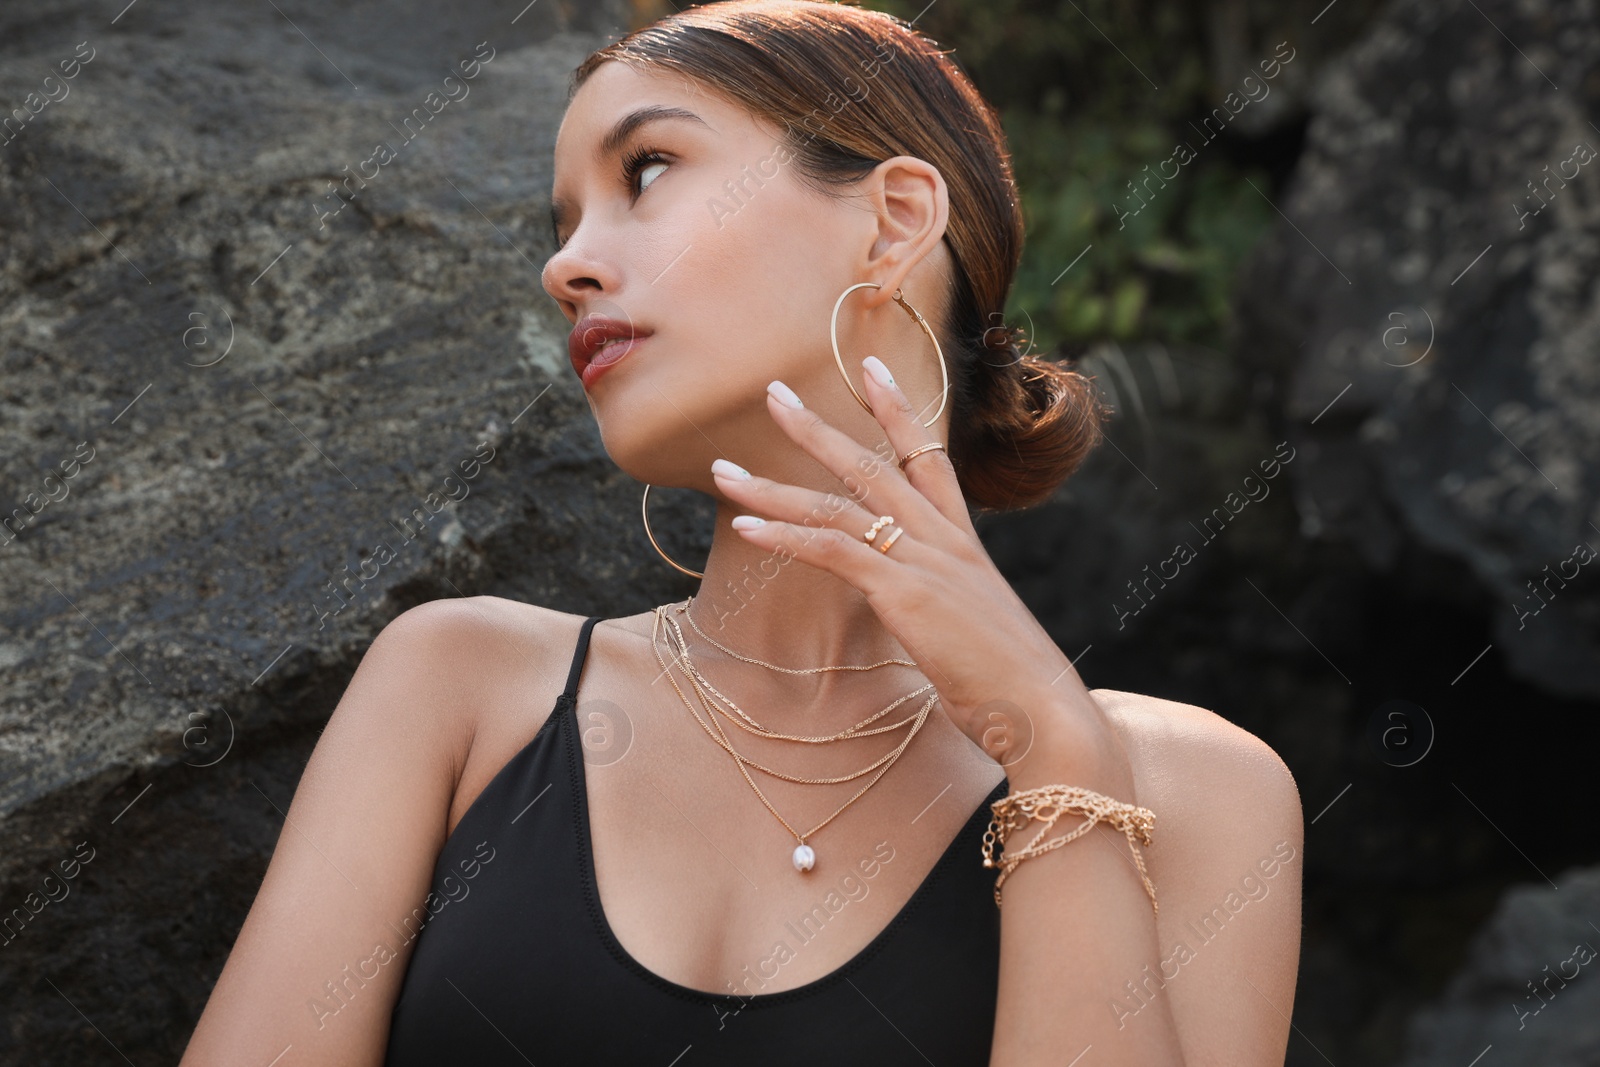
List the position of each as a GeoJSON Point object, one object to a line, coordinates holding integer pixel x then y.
{"type": "Point", "coordinates": [912, 205]}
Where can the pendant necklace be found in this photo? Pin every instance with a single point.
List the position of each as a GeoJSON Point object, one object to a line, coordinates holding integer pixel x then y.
{"type": "Point", "coordinates": [804, 856]}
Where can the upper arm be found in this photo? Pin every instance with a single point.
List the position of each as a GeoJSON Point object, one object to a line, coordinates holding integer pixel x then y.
{"type": "Point", "coordinates": [1226, 862]}
{"type": "Point", "coordinates": [355, 855]}
{"type": "Point", "coordinates": [1257, 869]}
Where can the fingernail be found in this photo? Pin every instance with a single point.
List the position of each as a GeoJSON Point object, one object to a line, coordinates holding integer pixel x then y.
{"type": "Point", "coordinates": [784, 394]}
{"type": "Point", "coordinates": [729, 470]}
{"type": "Point", "coordinates": [747, 522]}
{"type": "Point", "coordinates": [880, 373]}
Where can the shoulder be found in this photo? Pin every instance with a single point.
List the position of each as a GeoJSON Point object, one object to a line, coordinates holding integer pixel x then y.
{"type": "Point", "coordinates": [1223, 799]}
{"type": "Point", "coordinates": [469, 619]}
{"type": "Point", "coordinates": [478, 641]}
{"type": "Point", "coordinates": [497, 665]}
{"type": "Point", "coordinates": [1199, 754]}
{"type": "Point", "coordinates": [451, 667]}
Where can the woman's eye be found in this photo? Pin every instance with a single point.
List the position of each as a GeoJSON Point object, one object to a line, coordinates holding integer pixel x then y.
{"type": "Point", "coordinates": [634, 166]}
{"type": "Point", "coordinates": [642, 183]}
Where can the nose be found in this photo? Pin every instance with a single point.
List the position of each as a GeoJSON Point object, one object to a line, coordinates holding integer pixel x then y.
{"type": "Point", "coordinates": [574, 277]}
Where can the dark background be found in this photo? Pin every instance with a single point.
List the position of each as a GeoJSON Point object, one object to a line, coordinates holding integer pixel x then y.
{"type": "Point", "coordinates": [1346, 269]}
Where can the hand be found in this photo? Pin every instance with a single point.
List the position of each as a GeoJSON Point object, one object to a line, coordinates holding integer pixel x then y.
{"type": "Point", "coordinates": [935, 589]}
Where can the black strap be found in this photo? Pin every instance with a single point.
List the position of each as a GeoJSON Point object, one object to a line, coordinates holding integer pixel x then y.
{"type": "Point", "coordinates": [571, 691]}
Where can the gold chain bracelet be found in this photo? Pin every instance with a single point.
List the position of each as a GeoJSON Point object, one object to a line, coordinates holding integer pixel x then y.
{"type": "Point", "coordinates": [1047, 803]}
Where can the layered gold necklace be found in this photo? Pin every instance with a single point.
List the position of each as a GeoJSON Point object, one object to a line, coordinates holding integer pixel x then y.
{"type": "Point", "coordinates": [804, 856]}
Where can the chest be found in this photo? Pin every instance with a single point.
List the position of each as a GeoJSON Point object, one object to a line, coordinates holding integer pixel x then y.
{"type": "Point", "coordinates": [780, 971]}
{"type": "Point", "coordinates": [693, 876]}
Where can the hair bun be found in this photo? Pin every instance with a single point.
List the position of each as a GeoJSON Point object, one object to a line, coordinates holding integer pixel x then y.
{"type": "Point", "coordinates": [1001, 351]}
{"type": "Point", "coordinates": [1035, 421]}
{"type": "Point", "coordinates": [1003, 339]}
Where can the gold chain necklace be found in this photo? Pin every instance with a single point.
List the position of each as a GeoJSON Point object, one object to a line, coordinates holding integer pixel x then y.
{"type": "Point", "coordinates": [683, 609]}
{"type": "Point", "coordinates": [697, 681]}
{"type": "Point", "coordinates": [756, 728]}
{"type": "Point", "coordinates": [804, 856]}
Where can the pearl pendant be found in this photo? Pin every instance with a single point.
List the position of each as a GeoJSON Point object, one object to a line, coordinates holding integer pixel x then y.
{"type": "Point", "coordinates": [804, 858]}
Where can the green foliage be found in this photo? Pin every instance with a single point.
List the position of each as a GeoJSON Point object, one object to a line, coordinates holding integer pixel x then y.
{"type": "Point", "coordinates": [1162, 270]}
{"type": "Point", "coordinates": [1085, 117]}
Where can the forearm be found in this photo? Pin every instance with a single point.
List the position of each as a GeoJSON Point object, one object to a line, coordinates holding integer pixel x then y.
{"type": "Point", "coordinates": [1076, 923]}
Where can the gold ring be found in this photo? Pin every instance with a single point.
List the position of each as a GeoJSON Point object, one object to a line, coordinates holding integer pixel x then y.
{"type": "Point", "coordinates": [931, 446]}
{"type": "Point", "coordinates": [883, 520]}
{"type": "Point", "coordinates": [891, 539]}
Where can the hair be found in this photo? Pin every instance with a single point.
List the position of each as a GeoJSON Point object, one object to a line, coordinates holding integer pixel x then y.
{"type": "Point", "coordinates": [1020, 425]}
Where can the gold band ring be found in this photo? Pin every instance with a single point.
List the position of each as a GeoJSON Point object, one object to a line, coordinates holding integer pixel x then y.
{"type": "Point", "coordinates": [891, 539]}
{"type": "Point", "coordinates": [931, 446]}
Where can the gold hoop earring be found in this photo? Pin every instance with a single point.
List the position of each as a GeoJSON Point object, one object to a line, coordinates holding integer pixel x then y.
{"type": "Point", "coordinates": [833, 333]}
{"type": "Point", "coordinates": [644, 512]}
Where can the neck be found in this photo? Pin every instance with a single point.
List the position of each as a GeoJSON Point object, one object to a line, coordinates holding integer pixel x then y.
{"type": "Point", "coordinates": [793, 615]}
{"type": "Point", "coordinates": [784, 611]}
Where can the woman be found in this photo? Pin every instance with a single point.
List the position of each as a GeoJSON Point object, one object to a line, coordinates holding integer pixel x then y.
{"type": "Point", "coordinates": [515, 844]}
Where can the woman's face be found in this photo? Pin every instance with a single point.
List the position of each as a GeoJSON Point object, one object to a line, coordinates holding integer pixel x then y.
{"type": "Point", "coordinates": [721, 265]}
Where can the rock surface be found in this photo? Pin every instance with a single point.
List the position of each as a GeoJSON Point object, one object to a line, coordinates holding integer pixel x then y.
{"type": "Point", "coordinates": [248, 401]}
{"type": "Point", "coordinates": [1435, 314]}
{"type": "Point", "coordinates": [1528, 987]}
{"type": "Point", "coordinates": [1428, 315]}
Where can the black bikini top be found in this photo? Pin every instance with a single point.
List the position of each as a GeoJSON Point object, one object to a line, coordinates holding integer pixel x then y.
{"type": "Point", "coordinates": [516, 964]}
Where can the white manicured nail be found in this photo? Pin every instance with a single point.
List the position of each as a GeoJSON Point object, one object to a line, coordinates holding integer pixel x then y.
{"type": "Point", "coordinates": [729, 470]}
{"type": "Point", "coordinates": [784, 394]}
{"type": "Point", "coordinates": [879, 372]}
{"type": "Point", "coordinates": [747, 522]}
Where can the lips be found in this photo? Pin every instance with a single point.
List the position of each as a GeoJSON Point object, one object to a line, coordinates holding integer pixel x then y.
{"type": "Point", "coordinates": [597, 342]}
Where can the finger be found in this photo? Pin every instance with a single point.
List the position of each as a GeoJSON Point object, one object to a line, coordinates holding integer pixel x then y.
{"type": "Point", "coordinates": [842, 554]}
{"type": "Point", "coordinates": [931, 473]}
{"type": "Point", "coordinates": [792, 503]}
{"type": "Point", "coordinates": [864, 473]}
{"type": "Point", "coordinates": [812, 510]}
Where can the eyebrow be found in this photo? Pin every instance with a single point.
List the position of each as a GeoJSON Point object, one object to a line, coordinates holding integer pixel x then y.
{"type": "Point", "coordinates": [613, 141]}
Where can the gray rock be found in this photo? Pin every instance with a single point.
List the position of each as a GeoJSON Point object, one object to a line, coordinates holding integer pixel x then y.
{"type": "Point", "coordinates": [1528, 987]}
{"type": "Point", "coordinates": [1437, 345]}
{"type": "Point", "coordinates": [245, 431]}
